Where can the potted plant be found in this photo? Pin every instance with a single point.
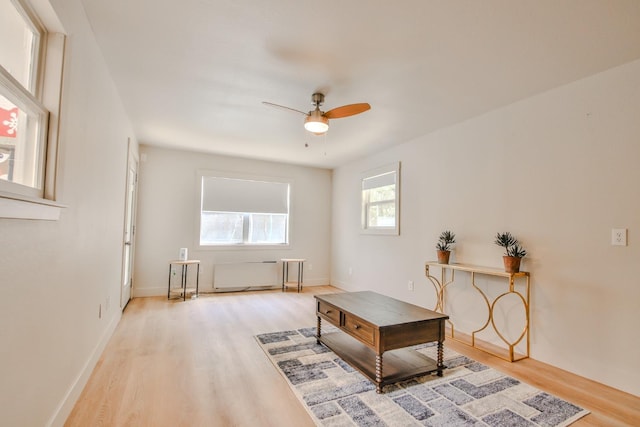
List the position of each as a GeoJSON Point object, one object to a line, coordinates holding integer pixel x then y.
{"type": "Point", "coordinates": [445, 242]}
{"type": "Point", "coordinates": [514, 252]}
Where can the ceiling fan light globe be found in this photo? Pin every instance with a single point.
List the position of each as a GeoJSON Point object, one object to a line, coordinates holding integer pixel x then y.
{"type": "Point", "coordinates": [316, 125]}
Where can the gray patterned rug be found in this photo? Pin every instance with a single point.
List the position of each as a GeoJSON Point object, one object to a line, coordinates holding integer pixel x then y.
{"type": "Point", "coordinates": [469, 393]}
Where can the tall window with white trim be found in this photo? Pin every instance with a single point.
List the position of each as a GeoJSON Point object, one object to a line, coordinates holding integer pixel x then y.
{"type": "Point", "coordinates": [237, 211]}
{"type": "Point", "coordinates": [23, 117]}
{"type": "Point", "coordinates": [381, 200]}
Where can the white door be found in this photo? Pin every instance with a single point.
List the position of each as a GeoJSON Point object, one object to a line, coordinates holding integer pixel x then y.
{"type": "Point", "coordinates": [129, 228]}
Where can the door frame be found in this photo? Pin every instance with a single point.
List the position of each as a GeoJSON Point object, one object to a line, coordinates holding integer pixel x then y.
{"type": "Point", "coordinates": [130, 209]}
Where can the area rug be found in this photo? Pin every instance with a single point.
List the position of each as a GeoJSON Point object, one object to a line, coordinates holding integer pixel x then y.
{"type": "Point", "coordinates": [468, 394]}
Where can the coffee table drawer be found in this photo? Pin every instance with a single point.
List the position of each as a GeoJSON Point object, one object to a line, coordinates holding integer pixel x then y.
{"type": "Point", "coordinates": [329, 312]}
{"type": "Point", "coordinates": [359, 328]}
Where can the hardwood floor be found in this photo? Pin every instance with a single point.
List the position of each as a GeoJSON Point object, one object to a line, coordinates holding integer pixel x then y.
{"type": "Point", "coordinates": [196, 363]}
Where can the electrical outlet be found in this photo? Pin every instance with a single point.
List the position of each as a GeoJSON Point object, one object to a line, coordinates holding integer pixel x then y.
{"type": "Point", "coordinates": [619, 237]}
{"type": "Point", "coordinates": [310, 267]}
{"type": "Point", "coordinates": [410, 285]}
{"type": "Point", "coordinates": [350, 271]}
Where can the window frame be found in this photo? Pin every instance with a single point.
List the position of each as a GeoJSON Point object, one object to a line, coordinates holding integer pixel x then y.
{"type": "Point", "coordinates": [43, 99]}
{"type": "Point", "coordinates": [366, 227]}
{"type": "Point", "coordinates": [244, 245]}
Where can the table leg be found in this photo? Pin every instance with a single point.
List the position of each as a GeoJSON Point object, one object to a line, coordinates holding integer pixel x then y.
{"type": "Point", "coordinates": [169, 285]}
{"type": "Point", "coordinates": [378, 373]}
{"type": "Point", "coordinates": [440, 358]}
{"type": "Point", "coordinates": [318, 333]}
{"type": "Point", "coordinates": [184, 282]}
{"type": "Point", "coordinates": [198, 280]}
{"type": "Point", "coordinates": [284, 274]}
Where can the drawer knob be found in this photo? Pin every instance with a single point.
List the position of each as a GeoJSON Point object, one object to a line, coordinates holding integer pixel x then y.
{"type": "Point", "coordinates": [327, 312]}
{"type": "Point", "coordinates": [356, 326]}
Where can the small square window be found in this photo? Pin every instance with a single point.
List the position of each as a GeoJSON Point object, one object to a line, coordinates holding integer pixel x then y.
{"type": "Point", "coordinates": [267, 229]}
{"type": "Point", "coordinates": [221, 228]}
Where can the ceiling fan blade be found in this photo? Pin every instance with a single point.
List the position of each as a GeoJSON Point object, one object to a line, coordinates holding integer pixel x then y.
{"type": "Point", "coordinates": [347, 110]}
{"type": "Point", "coordinates": [282, 107]}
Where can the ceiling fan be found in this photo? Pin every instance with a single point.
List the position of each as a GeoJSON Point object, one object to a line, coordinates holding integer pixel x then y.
{"type": "Point", "coordinates": [317, 121]}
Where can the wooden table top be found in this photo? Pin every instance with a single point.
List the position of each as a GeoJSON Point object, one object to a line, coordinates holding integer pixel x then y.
{"type": "Point", "coordinates": [380, 310]}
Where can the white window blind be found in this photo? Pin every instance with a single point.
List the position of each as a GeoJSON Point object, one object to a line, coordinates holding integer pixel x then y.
{"type": "Point", "coordinates": [241, 195]}
{"type": "Point", "coordinates": [381, 180]}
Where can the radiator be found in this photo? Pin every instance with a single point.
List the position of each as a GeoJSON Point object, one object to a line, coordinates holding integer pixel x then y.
{"type": "Point", "coordinates": [246, 275]}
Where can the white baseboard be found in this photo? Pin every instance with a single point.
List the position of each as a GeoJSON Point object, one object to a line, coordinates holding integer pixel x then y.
{"type": "Point", "coordinates": [160, 291]}
{"type": "Point", "coordinates": [150, 292]}
{"type": "Point", "coordinates": [340, 285]}
{"type": "Point", "coordinates": [65, 407]}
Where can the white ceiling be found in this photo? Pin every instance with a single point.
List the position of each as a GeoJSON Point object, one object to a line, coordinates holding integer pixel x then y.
{"type": "Point", "coordinates": [193, 73]}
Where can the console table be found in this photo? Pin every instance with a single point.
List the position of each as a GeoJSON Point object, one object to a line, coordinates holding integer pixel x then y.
{"type": "Point", "coordinates": [371, 325]}
{"type": "Point", "coordinates": [523, 297]}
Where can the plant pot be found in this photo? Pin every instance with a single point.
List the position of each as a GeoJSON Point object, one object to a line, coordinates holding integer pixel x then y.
{"type": "Point", "coordinates": [511, 264]}
{"type": "Point", "coordinates": [443, 257]}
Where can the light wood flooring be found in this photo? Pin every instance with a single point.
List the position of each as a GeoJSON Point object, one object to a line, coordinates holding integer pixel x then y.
{"type": "Point", "coordinates": [196, 363]}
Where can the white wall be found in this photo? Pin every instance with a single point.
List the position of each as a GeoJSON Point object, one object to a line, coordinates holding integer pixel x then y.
{"type": "Point", "coordinates": [168, 208]}
{"type": "Point", "coordinates": [558, 170]}
{"type": "Point", "coordinates": [56, 274]}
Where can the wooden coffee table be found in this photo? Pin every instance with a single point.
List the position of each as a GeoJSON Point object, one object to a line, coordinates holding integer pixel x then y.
{"type": "Point", "coordinates": [371, 325]}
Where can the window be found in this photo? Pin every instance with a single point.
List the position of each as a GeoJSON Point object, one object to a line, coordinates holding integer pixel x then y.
{"type": "Point", "coordinates": [30, 82]}
{"type": "Point", "coordinates": [381, 201]}
{"type": "Point", "coordinates": [243, 211]}
{"type": "Point", "coordinates": [23, 117]}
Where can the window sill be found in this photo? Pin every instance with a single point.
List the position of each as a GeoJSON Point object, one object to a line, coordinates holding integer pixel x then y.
{"type": "Point", "coordinates": [381, 231]}
{"type": "Point", "coordinates": [242, 247]}
{"type": "Point", "coordinates": [17, 206]}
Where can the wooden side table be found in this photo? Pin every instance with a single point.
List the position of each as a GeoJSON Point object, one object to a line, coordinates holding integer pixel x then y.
{"type": "Point", "coordinates": [183, 277]}
{"type": "Point", "coordinates": [285, 272]}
